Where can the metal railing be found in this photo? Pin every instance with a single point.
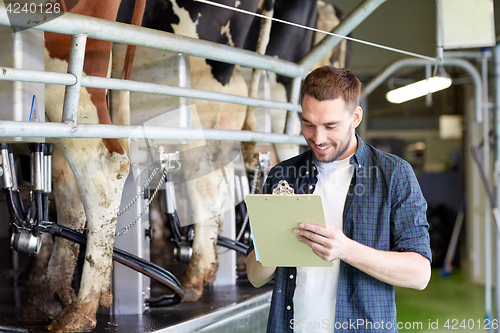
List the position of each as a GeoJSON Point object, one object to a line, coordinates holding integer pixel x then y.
{"type": "Point", "coordinates": [80, 27]}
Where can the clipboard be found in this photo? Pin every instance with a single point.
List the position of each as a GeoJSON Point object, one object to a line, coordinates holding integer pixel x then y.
{"type": "Point", "coordinates": [272, 220]}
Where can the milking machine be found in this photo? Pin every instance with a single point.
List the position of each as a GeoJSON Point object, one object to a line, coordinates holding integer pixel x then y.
{"type": "Point", "coordinates": [28, 222]}
{"type": "Point", "coordinates": [182, 237]}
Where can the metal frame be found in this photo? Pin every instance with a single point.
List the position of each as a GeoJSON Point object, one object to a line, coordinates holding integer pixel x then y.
{"type": "Point", "coordinates": [74, 25]}
{"type": "Point", "coordinates": [481, 113]}
{"type": "Point", "coordinates": [411, 62]}
{"type": "Point", "coordinates": [83, 27]}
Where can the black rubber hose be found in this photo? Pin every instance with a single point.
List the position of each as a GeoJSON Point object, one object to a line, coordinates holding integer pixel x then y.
{"type": "Point", "coordinates": [39, 213]}
{"type": "Point", "coordinates": [173, 225]}
{"type": "Point", "coordinates": [165, 300]}
{"type": "Point", "coordinates": [45, 198]}
{"type": "Point", "coordinates": [138, 264]}
{"type": "Point", "coordinates": [232, 244]}
{"type": "Point", "coordinates": [12, 207]}
{"type": "Point", "coordinates": [20, 204]}
{"type": "Point", "coordinates": [243, 210]}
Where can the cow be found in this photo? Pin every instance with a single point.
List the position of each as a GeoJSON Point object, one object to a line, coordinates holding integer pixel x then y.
{"type": "Point", "coordinates": [88, 176]}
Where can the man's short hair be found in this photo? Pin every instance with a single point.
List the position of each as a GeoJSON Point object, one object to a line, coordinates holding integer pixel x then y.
{"type": "Point", "coordinates": [330, 82]}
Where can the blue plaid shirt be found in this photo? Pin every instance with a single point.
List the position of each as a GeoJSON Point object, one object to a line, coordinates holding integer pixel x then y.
{"type": "Point", "coordinates": [384, 209]}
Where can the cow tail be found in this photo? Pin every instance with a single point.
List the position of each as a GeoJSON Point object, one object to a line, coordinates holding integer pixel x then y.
{"type": "Point", "coordinates": [123, 114]}
{"type": "Point", "coordinates": [248, 148]}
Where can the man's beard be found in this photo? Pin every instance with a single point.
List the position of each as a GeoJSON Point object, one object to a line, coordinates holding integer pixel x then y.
{"type": "Point", "coordinates": [338, 150]}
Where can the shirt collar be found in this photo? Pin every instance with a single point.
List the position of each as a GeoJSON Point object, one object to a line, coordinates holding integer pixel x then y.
{"type": "Point", "coordinates": [359, 156]}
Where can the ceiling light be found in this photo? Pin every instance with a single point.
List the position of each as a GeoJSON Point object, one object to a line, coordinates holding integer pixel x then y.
{"type": "Point", "coordinates": [418, 89]}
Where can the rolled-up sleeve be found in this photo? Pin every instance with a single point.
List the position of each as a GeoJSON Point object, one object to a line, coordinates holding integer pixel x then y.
{"type": "Point", "coordinates": [409, 227]}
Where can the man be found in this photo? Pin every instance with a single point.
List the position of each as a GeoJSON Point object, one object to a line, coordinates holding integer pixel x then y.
{"type": "Point", "coordinates": [376, 234]}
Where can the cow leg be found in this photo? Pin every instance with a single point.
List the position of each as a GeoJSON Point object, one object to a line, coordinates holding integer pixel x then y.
{"type": "Point", "coordinates": [248, 148]}
{"type": "Point", "coordinates": [207, 185]}
{"type": "Point", "coordinates": [100, 177]}
{"type": "Point", "coordinates": [208, 197]}
{"type": "Point", "coordinates": [56, 291]}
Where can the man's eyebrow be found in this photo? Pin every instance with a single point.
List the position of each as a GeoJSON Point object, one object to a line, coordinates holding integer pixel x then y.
{"type": "Point", "coordinates": [331, 123]}
{"type": "Point", "coordinates": [325, 124]}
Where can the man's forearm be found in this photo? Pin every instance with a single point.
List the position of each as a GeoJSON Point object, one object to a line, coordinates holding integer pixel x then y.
{"type": "Point", "coordinates": [257, 274]}
{"type": "Point", "coordinates": [404, 269]}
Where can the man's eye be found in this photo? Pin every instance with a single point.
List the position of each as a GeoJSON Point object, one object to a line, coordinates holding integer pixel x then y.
{"type": "Point", "coordinates": [330, 127]}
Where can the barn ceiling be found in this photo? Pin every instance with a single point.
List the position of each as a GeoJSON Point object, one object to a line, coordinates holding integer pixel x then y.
{"type": "Point", "coordinates": [409, 25]}
{"type": "Point", "coordinates": [405, 24]}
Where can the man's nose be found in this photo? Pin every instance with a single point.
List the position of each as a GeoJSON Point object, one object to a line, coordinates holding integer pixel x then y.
{"type": "Point", "coordinates": [319, 136]}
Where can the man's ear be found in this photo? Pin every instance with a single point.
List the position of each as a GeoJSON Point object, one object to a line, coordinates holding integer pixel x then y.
{"type": "Point", "coordinates": [357, 116]}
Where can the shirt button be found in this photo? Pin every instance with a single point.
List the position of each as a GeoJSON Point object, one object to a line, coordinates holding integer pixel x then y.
{"type": "Point", "coordinates": [291, 276]}
{"type": "Point", "coordinates": [311, 187]}
{"type": "Point", "coordinates": [288, 307]}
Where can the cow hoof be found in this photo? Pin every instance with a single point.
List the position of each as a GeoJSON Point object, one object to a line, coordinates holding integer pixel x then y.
{"type": "Point", "coordinates": [42, 307]}
{"type": "Point", "coordinates": [192, 293]}
{"type": "Point", "coordinates": [72, 319]}
{"type": "Point", "coordinates": [34, 313]}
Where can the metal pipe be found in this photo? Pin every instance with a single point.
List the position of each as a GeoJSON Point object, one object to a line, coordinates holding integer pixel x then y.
{"type": "Point", "coordinates": [11, 74]}
{"type": "Point", "coordinates": [27, 75]}
{"type": "Point", "coordinates": [184, 70]}
{"type": "Point", "coordinates": [294, 100]}
{"type": "Point", "coordinates": [74, 24]}
{"type": "Point", "coordinates": [116, 84]}
{"type": "Point", "coordinates": [37, 172]}
{"type": "Point", "coordinates": [412, 62]}
{"type": "Point", "coordinates": [439, 31]}
{"type": "Point", "coordinates": [13, 171]}
{"type": "Point", "coordinates": [7, 182]}
{"type": "Point", "coordinates": [467, 54]}
{"type": "Point", "coordinates": [49, 148]}
{"type": "Point", "coordinates": [497, 174]}
{"type": "Point", "coordinates": [358, 15]}
{"type": "Point", "coordinates": [62, 130]}
{"type": "Point", "coordinates": [18, 57]}
{"type": "Point", "coordinates": [487, 208]}
{"type": "Point", "coordinates": [75, 67]}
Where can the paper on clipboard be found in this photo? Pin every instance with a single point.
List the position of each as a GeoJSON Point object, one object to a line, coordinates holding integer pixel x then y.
{"type": "Point", "coordinates": [272, 220]}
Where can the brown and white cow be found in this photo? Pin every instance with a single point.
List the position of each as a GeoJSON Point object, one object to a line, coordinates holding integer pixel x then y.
{"type": "Point", "coordinates": [89, 176]}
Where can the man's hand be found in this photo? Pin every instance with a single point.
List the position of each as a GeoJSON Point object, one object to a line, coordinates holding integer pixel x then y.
{"type": "Point", "coordinates": [328, 243]}
{"type": "Point", "coordinates": [404, 269]}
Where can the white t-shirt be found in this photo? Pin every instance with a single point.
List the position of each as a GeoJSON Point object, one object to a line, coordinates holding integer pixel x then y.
{"type": "Point", "coordinates": [315, 294]}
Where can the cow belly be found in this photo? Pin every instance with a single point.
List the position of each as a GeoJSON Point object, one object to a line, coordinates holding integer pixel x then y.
{"type": "Point", "coordinates": [216, 114]}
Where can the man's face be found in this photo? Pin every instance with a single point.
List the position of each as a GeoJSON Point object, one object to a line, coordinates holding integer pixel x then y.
{"type": "Point", "coordinates": [328, 127]}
